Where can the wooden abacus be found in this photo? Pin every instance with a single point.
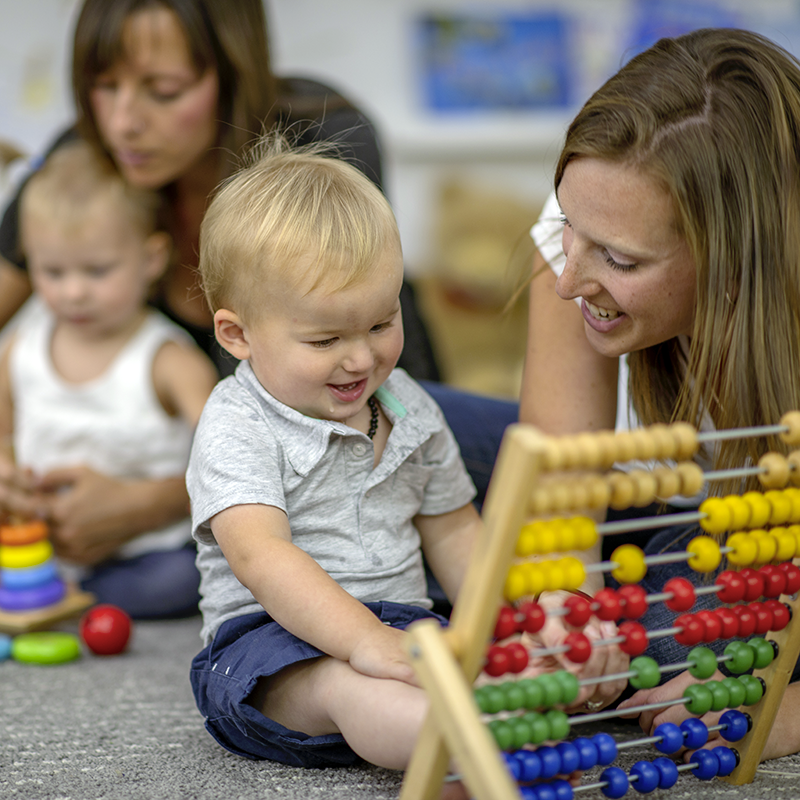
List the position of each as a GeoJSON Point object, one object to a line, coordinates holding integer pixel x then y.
{"type": "Point", "coordinates": [540, 477]}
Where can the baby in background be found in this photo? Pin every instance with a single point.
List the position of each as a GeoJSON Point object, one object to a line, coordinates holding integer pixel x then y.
{"type": "Point", "coordinates": [319, 473]}
{"type": "Point", "coordinates": [95, 383]}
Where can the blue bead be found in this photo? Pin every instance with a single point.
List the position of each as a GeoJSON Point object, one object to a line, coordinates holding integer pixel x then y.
{"type": "Point", "coordinates": [695, 733]}
{"type": "Point", "coordinates": [513, 765]}
{"type": "Point", "coordinates": [648, 777]}
{"type": "Point", "coordinates": [727, 759]}
{"type": "Point", "coordinates": [671, 737]}
{"type": "Point", "coordinates": [587, 751]}
{"type": "Point", "coordinates": [563, 789]}
{"type": "Point", "coordinates": [570, 758]}
{"type": "Point", "coordinates": [668, 770]}
{"type": "Point", "coordinates": [738, 725]}
{"type": "Point", "coordinates": [707, 765]}
{"type": "Point", "coordinates": [545, 791]}
{"type": "Point", "coordinates": [606, 748]}
{"type": "Point", "coordinates": [531, 765]}
{"type": "Point", "coordinates": [5, 647]}
{"type": "Point", "coordinates": [528, 793]}
{"type": "Point", "coordinates": [551, 762]}
{"type": "Point", "coordinates": [617, 782]}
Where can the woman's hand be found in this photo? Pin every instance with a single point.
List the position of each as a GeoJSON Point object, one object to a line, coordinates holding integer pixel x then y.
{"type": "Point", "coordinates": [604, 660]}
{"type": "Point", "coordinates": [18, 495]}
{"type": "Point", "coordinates": [92, 515]}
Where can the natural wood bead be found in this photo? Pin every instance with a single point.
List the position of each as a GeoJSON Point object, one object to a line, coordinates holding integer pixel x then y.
{"type": "Point", "coordinates": [607, 442]}
{"type": "Point", "coordinates": [666, 445]}
{"type": "Point", "coordinates": [646, 444]}
{"type": "Point", "coordinates": [793, 460]}
{"type": "Point", "coordinates": [645, 486]}
{"type": "Point", "coordinates": [591, 450]}
{"type": "Point", "coordinates": [599, 492]}
{"type": "Point", "coordinates": [792, 421]}
{"type": "Point", "coordinates": [691, 476]}
{"type": "Point", "coordinates": [686, 438]}
{"type": "Point", "coordinates": [623, 491]}
{"type": "Point", "coordinates": [625, 446]}
{"type": "Point", "coordinates": [776, 471]}
{"type": "Point", "coordinates": [668, 482]}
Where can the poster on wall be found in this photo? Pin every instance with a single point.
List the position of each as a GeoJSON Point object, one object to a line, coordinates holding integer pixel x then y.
{"type": "Point", "coordinates": [492, 62]}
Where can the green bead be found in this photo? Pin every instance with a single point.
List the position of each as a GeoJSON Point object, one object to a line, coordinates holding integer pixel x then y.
{"type": "Point", "coordinates": [754, 689]}
{"type": "Point", "coordinates": [45, 647]}
{"type": "Point", "coordinates": [522, 733]}
{"type": "Point", "coordinates": [720, 696]}
{"type": "Point", "coordinates": [741, 657]}
{"type": "Point", "coordinates": [551, 690]}
{"type": "Point", "coordinates": [704, 662]}
{"type": "Point", "coordinates": [480, 699]}
{"type": "Point", "coordinates": [503, 733]}
{"type": "Point", "coordinates": [735, 690]}
{"type": "Point", "coordinates": [647, 673]}
{"type": "Point", "coordinates": [493, 701]}
{"type": "Point", "coordinates": [558, 722]}
{"type": "Point", "coordinates": [540, 727]}
{"type": "Point", "coordinates": [700, 699]}
{"type": "Point", "coordinates": [533, 693]}
{"type": "Point", "coordinates": [764, 653]}
{"type": "Point", "coordinates": [569, 686]}
{"type": "Point", "coordinates": [515, 697]}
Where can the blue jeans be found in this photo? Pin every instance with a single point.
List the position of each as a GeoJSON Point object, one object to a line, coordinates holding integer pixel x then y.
{"type": "Point", "coordinates": [158, 585]}
{"type": "Point", "coordinates": [253, 646]}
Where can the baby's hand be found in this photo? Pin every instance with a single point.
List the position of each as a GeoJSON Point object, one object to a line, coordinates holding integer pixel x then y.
{"type": "Point", "coordinates": [381, 654]}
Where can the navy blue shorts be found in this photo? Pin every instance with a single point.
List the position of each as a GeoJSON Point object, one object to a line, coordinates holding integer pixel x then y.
{"type": "Point", "coordinates": [247, 648]}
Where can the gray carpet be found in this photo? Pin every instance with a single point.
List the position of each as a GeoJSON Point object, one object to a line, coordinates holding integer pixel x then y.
{"type": "Point", "coordinates": [126, 728]}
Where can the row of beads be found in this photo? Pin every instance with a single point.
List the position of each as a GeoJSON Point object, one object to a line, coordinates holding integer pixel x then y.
{"type": "Point", "coordinates": [750, 510]}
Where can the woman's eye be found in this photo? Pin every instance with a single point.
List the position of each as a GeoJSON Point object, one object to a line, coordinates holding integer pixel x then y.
{"type": "Point", "coordinates": [614, 264]}
{"type": "Point", "coordinates": [564, 221]}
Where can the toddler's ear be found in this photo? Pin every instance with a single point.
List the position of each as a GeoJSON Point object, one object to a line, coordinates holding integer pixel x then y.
{"type": "Point", "coordinates": [158, 247]}
{"type": "Point", "coordinates": [230, 332]}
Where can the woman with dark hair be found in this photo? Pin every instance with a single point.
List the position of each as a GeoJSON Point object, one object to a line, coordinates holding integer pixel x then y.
{"type": "Point", "coordinates": [171, 91]}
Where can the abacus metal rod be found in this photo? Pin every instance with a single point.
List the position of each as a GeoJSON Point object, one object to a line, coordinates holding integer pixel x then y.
{"type": "Point", "coordinates": [741, 433]}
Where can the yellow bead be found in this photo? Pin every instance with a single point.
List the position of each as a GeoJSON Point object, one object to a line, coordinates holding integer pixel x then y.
{"type": "Point", "coordinates": [574, 573]}
{"type": "Point", "coordinates": [552, 575]}
{"type": "Point", "coordinates": [767, 546]}
{"type": "Point", "coordinates": [585, 532]}
{"type": "Point", "coordinates": [760, 509]}
{"type": "Point", "coordinates": [565, 535]}
{"type": "Point", "coordinates": [793, 493]}
{"type": "Point", "coordinates": [718, 516]}
{"type": "Point", "coordinates": [706, 555]}
{"type": "Point", "coordinates": [740, 511]}
{"type": "Point", "coordinates": [787, 546]}
{"type": "Point", "coordinates": [515, 585]}
{"type": "Point", "coordinates": [744, 550]}
{"type": "Point", "coordinates": [794, 530]}
{"type": "Point", "coordinates": [27, 555]}
{"type": "Point", "coordinates": [548, 538]}
{"type": "Point", "coordinates": [526, 542]}
{"type": "Point", "coordinates": [781, 507]}
{"type": "Point", "coordinates": [536, 577]}
{"type": "Point", "coordinates": [631, 567]}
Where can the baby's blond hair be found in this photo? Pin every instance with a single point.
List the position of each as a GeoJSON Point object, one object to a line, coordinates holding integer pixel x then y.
{"type": "Point", "coordinates": [296, 214]}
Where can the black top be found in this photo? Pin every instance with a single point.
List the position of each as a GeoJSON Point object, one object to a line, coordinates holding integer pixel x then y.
{"type": "Point", "coordinates": [357, 141]}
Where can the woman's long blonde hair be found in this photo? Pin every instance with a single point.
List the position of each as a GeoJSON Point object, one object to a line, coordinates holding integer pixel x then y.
{"type": "Point", "coordinates": [714, 116]}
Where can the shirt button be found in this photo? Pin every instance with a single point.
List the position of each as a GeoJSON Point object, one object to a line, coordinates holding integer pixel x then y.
{"type": "Point", "coordinates": [359, 449]}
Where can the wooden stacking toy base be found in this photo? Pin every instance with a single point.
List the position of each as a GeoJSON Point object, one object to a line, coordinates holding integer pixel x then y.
{"type": "Point", "coordinates": [74, 603]}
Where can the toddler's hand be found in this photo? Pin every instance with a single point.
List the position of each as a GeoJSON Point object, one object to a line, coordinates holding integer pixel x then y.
{"type": "Point", "coordinates": [381, 654]}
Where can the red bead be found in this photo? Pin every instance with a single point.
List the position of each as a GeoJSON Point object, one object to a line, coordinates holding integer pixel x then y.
{"type": "Point", "coordinates": [781, 616]}
{"type": "Point", "coordinates": [506, 624]}
{"type": "Point", "coordinates": [533, 617]}
{"type": "Point", "coordinates": [774, 580]}
{"type": "Point", "coordinates": [732, 586]}
{"type": "Point", "coordinates": [728, 621]}
{"type": "Point", "coordinates": [792, 572]}
{"type": "Point", "coordinates": [682, 594]}
{"type": "Point", "coordinates": [580, 609]}
{"type": "Point", "coordinates": [610, 607]}
{"type": "Point", "coordinates": [497, 661]}
{"type": "Point", "coordinates": [517, 657]}
{"type": "Point", "coordinates": [711, 623]}
{"type": "Point", "coordinates": [747, 621]}
{"type": "Point", "coordinates": [753, 584]}
{"type": "Point", "coordinates": [580, 648]}
{"type": "Point", "coordinates": [763, 617]}
{"type": "Point", "coordinates": [635, 638]}
{"type": "Point", "coordinates": [634, 600]}
{"type": "Point", "coordinates": [692, 632]}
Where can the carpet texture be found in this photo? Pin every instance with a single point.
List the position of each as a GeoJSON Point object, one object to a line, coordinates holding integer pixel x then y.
{"type": "Point", "coordinates": [126, 728]}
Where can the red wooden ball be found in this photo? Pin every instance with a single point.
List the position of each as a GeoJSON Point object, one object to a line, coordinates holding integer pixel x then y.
{"type": "Point", "coordinates": [105, 629]}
